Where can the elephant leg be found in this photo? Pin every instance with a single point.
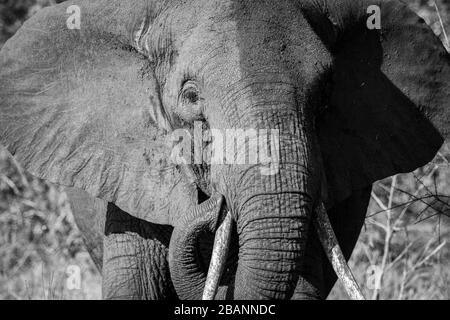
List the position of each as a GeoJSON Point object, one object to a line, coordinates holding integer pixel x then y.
{"type": "Point", "coordinates": [347, 218]}
{"type": "Point", "coordinates": [135, 264]}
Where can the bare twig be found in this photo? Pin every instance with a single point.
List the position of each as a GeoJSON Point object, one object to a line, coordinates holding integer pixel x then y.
{"type": "Point", "coordinates": [442, 25]}
{"type": "Point", "coordinates": [387, 241]}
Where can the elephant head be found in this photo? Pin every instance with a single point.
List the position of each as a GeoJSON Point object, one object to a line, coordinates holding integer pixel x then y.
{"type": "Point", "coordinates": [95, 108]}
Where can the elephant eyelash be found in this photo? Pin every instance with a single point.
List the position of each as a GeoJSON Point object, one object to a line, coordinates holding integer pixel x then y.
{"type": "Point", "coordinates": [190, 76]}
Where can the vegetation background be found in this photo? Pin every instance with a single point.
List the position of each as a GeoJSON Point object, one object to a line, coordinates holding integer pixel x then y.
{"type": "Point", "coordinates": [403, 251]}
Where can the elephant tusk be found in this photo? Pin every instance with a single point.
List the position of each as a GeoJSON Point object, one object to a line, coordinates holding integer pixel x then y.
{"type": "Point", "coordinates": [218, 258]}
{"type": "Point", "coordinates": [334, 253]}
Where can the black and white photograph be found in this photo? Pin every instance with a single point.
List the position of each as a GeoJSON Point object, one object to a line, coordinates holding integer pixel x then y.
{"type": "Point", "coordinates": [249, 150]}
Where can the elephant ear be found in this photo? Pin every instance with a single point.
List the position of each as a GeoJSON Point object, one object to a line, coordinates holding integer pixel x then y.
{"type": "Point", "coordinates": [389, 108]}
{"type": "Point", "coordinates": [81, 108]}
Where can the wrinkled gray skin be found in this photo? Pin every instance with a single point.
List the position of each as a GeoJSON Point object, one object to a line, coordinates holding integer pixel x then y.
{"type": "Point", "coordinates": [92, 109]}
{"type": "Point", "coordinates": [130, 253]}
{"type": "Point", "coordinates": [143, 248]}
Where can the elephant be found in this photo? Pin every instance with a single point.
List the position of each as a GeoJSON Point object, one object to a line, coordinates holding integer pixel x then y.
{"type": "Point", "coordinates": [94, 108]}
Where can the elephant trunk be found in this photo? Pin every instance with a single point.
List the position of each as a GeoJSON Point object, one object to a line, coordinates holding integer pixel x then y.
{"type": "Point", "coordinates": [272, 237]}
{"type": "Point", "coordinates": [269, 264]}
{"type": "Point", "coordinates": [272, 214]}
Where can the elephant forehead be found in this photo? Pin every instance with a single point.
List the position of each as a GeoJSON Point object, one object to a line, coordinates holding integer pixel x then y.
{"type": "Point", "coordinates": [237, 39]}
{"type": "Point", "coordinates": [250, 22]}
{"type": "Point", "coordinates": [277, 37]}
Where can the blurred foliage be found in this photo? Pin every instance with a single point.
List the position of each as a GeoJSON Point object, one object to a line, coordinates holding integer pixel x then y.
{"type": "Point", "coordinates": [430, 11]}
{"type": "Point", "coordinates": [405, 237]}
{"type": "Point", "coordinates": [14, 12]}
{"type": "Point", "coordinates": [39, 240]}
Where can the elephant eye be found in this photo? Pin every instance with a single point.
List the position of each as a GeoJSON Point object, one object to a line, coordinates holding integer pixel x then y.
{"type": "Point", "coordinates": [190, 102]}
{"type": "Point", "coordinates": [191, 96]}
{"type": "Point", "coordinates": [190, 93]}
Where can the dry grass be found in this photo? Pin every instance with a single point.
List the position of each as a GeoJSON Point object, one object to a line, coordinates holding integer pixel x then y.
{"type": "Point", "coordinates": [403, 251]}
{"type": "Point", "coordinates": [436, 14]}
{"type": "Point", "coordinates": [39, 240]}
